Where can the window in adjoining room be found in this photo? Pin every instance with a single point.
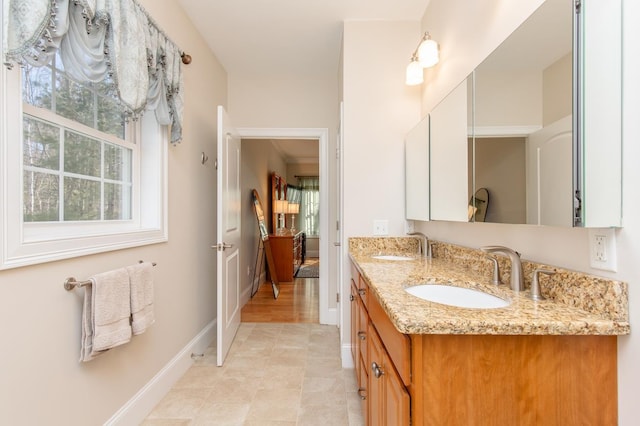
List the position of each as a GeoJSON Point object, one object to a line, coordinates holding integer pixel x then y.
{"type": "Point", "coordinates": [310, 205]}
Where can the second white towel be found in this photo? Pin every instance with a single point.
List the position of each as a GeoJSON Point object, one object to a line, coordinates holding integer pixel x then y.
{"type": "Point", "coordinates": [141, 278]}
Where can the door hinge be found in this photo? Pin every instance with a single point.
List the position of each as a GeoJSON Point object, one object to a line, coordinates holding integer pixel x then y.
{"type": "Point", "coordinates": [337, 153]}
{"type": "Point", "coordinates": [578, 4]}
{"type": "Point", "coordinates": [215, 163]}
{"type": "Point", "coordinates": [337, 297]}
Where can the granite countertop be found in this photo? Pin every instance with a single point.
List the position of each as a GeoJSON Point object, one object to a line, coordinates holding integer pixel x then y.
{"type": "Point", "coordinates": [523, 316]}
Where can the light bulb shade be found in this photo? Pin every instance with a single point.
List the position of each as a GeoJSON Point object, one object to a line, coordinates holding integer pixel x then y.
{"type": "Point", "coordinates": [428, 54]}
{"type": "Point", "coordinates": [281, 206]}
{"type": "Point", "coordinates": [415, 74]}
{"type": "Point", "coordinates": [294, 208]}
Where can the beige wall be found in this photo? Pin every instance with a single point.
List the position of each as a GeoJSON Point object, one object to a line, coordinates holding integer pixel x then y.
{"type": "Point", "coordinates": [500, 168]}
{"type": "Point", "coordinates": [499, 98]}
{"type": "Point", "coordinates": [379, 110]}
{"type": "Point", "coordinates": [557, 90]}
{"type": "Point", "coordinates": [464, 43]}
{"type": "Point", "coordinates": [42, 381]}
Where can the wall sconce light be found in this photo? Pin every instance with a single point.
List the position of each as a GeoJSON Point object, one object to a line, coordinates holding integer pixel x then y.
{"type": "Point", "coordinates": [426, 55]}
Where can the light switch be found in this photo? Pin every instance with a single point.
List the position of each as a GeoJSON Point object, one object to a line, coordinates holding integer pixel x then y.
{"type": "Point", "coordinates": [381, 227]}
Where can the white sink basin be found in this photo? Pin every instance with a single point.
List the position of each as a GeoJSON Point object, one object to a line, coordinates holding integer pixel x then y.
{"type": "Point", "coordinates": [392, 257]}
{"type": "Point", "coordinates": [457, 296]}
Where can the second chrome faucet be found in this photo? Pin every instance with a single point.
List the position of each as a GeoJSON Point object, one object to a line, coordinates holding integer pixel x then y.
{"type": "Point", "coordinates": [425, 247]}
{"type": "Point", "coordinates": [517, 281]}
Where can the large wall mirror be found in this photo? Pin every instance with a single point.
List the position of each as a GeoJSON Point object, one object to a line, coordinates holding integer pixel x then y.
{"type": "Point", "coordinates": [521, 141]}
{"type": "Point", "coordinates": [539, 150]}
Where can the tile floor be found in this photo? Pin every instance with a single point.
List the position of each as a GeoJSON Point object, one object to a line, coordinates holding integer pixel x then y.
{"type": "Point", "coordinates": [275, 374]}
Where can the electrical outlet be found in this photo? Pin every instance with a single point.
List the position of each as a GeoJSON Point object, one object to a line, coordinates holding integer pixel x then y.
{"type": "Point", "coordinates": [409, 226]}
{"type": "Point", "coordinates": [380, 227]}
{"type": "Point", "coordinates": [602, 249]}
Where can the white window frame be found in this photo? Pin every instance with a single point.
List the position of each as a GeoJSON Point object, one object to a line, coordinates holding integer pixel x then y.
{"type": "Point", "coordinates": [32, 243]}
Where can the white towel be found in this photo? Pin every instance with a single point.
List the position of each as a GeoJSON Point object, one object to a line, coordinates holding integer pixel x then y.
{"type": "Point", "coordinates": [106, 313]}
{"type": "Point", "coordinates": [141, 279]}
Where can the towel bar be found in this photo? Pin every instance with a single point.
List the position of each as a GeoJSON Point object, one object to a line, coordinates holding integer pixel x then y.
{"type": "Point", "coordinates": [71, 283]}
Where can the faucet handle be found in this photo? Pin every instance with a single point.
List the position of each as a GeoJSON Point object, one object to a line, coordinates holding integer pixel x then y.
{"type": "Point", "coordinates": [496, 270]}
{"type": "Point", "coordinates": [535, 283]}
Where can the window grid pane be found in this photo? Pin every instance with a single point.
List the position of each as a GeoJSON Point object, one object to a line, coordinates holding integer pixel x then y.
{"type": "Point", "coordinates": [81, 199]}
{"type": "Point", "coordinates": [93, 104]}
{"type": "Point", "coordinates": [41, 144]}
{"type": "Point", "coordinates": [90, 179]}
{"type": "Point", "coordinates": [41, 201]}
{"type": "Point", "coordinates": [82, 155]}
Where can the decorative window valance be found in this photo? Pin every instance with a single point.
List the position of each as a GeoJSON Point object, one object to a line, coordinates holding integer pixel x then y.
{"type": "Point", "coordinates": [100, 38]}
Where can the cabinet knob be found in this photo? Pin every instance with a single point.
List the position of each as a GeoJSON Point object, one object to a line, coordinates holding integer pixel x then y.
{"type": "Point", "coordinates": [351, 298]}
{"type": "Point", "coordinates": [362, 393]}
{"type": "Point", "coordinates": [362, 335]}
{"type": "Point", "coordinates": [377, 371]}
{"type": "Point", "coordinates": [362, 291]}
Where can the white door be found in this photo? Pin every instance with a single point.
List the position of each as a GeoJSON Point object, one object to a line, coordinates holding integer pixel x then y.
{"type": "Point", "coordinates": [550, 185]}
{"type": "Point", "coordinates": [228, 234]}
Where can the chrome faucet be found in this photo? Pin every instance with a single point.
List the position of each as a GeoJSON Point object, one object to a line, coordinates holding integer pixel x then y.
{"type": "Point", "coordinates": [517, 281]}
{"type": "Point", "coordinates": [425, 247]}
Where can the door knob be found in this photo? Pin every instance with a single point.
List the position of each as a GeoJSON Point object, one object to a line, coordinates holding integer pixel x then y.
{"type": "Point", "coordinates": [222, 246]}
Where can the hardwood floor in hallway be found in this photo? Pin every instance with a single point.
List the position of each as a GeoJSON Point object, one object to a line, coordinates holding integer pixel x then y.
{"type": "Point", "coordinates": [297, 303]}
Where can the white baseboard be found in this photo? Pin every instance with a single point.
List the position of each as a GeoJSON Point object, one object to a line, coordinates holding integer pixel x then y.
{"type": "Point", "coordinates": [138, 407]}
{"type": "Point", "coordinates": [347, 359]}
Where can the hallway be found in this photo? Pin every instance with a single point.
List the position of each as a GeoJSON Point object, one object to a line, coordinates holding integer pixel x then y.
{"type": "Point", "coordinates": [298, 303]}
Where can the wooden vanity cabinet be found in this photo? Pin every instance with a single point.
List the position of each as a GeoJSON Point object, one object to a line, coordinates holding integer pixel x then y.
{"type": "Point", "coordinates": [514, 380]}
{"type": "Point", "coordinates": [382, 389]}
{"type": "Point", "coordinates": [446, 379]}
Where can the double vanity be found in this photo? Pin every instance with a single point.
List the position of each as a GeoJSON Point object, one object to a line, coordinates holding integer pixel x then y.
{"type": "Point", "coordinates": [436, 342]}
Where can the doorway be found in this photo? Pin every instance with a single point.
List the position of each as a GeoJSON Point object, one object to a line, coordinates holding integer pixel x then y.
{"type": "Point", "coordinates": [326, 315]}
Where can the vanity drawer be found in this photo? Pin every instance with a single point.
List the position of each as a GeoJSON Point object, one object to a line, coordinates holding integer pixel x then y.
{"type": "Point", "coordinates": [398, 345]}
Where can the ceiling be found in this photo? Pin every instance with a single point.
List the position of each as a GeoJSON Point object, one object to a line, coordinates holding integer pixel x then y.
{"type": "Point", "coordinates": [287, 37]}
{"type": "Point", "coordinates": [297, 151]}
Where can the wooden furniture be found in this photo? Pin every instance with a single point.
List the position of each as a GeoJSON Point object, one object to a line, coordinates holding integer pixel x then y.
{"type": "Point", "coordinates": [429, 379]}
{"type": "Point", "coordinates": [287, 254]}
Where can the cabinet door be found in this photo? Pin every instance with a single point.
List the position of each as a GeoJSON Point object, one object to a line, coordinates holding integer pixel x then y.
{"type": "Point", "coordinates": [355, 347]}
{"type": "Point", "coordinates": [362, 332]}
{"type": "Point", "coordinates": [396, 398]}
{"type": "Point", "coordinates": [363, 393]}
{"type": "Point", "coordinates": [389, 402]}
{"type": "Point", "coordinates": [375, 386]}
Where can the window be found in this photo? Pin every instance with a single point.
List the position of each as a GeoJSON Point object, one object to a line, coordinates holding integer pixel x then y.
{"type": "Point", "coordinates": [77, 169]}
{"type": "Point", "coordinates": [78, 178]}
{"type": "Point", "coordinates": [310, 205]}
